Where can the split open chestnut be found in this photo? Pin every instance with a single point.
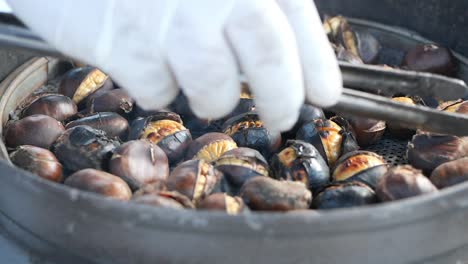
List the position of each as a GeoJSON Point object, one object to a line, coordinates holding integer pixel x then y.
{"type": "Point", "coordinates": [56, 106]}
{"type": "Point", "coordinates": [114, 125]}
{"type": "Point", "coordinates": [100, 182]}
{"type": "Point", "coordinates": [165, 199]}
{"type": "Point", "coordinates": [267, 194]}
{"type": "Point", "coordinates": [83, 147]}
{"type": "Point", "coordinates": [368, 131]}
{"type": "Point", "coordinates": [195, 179]}
{"type": "Point", "coordinates": [301, 161]}
{"type": "Point", "coordinates": [403, 182]}
{"type": "Point", "coordinates": [222, 202]}
{"type": "Point", "coordinates": [450, 173]}
{"type": "Point", "coordinates": [459, 106]}
{"type": "Point", "coordinates": [344, 195]}
{"type": "Point", "coordinates": [39, 161]}
{"type": "Point", "coordinates": [210, 146]}
{"type": "Point", "coordinates": [430, 58]}
{"type": "Point", "coordinates": [138, 163]}
{"type": "Point", "coordinates": [36, 130]}
{"type": "Point", "coordinates": [363, 166]}
{"type": "Point", "coordinates": [397, 130]}
{"type": "Point", "coordinates": [164, 129]}
{"type": "Point", "coordinates": [117, 100]}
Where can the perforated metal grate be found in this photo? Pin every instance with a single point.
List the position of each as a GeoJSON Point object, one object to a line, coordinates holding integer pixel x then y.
{"type": "Point", "coordinates": [393, 150]}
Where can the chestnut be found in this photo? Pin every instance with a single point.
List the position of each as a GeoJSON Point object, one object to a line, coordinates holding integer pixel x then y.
{"type": "Point", "coordinates": [151, 188]}
{"type": "Point", "coordinates": [308, 113]}
{"type": "Point", "coordinates": [344, 195]}
{"type": "Point", "coordinates": [247, 130]}
{"type": "Point", "coordinates": [210, 146]}
{"type": "Point", "coordinates": [117, 100]}
{"type": "Point", "coordinates": [139, 162]}
{"type": "Point", "coordinates": [81, 82]}
{"type": "Point", "coordinates": [397, 130]}
{"type": "Point", "coordinates": [450, 173]}
{"type": "Point", "coordinates": [426, 151]}
{"type": "Point", "coordinates": [330, 139]}
{"type": "Point", "coordinates": [56, 106]}
{"type": "Point", "coordinates": [222, 202]}
{"type": "Point", "coordinates": [363, 166]}
{"type": "Point", "coordinates": [164, 129]}
{"type": "Point", "coordinates": [165, 199]}
{"type": "Point", "coordinates": [37, 130]}
{"type": "Point", "coordinates": [403, 182]}
{"type": "Point", "coordinates": [240, 164]}
{"type": "Point", "coordinates": [195, 179]}
{"type": "Point", "coordinates": [39, 161]}
{"type": "Point", "coordinates": [430, 58]}
{"type": "Point", "coordinates": [459, 106]}
{"type": "Point", "coordinates": [267, 194]}
{"type": "Point", "coordinates": [301, 161]}
{"type": "Point", "coordinates": [112, 123]}
{"type": "Point", "coordinates": [83, 147]}
{"type": "Point", "coordinates": [368, 131]}
{"type": "Point", "coordinates": [100, 182]}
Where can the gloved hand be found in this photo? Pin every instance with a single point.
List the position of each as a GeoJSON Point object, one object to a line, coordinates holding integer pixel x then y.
{"type": "Point", "coordinates": [152, 47]}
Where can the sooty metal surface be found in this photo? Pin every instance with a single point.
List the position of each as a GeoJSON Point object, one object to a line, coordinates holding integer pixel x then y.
{"type": "Point", "coordinates": [393, 150]}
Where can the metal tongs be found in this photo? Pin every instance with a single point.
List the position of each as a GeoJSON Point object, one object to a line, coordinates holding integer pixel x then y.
{"type": "Point", "coordinates": [366, 91]}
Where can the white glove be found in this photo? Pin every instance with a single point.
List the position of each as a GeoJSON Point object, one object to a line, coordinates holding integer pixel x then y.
{"type": "Point", "coordinates": [152, 47]}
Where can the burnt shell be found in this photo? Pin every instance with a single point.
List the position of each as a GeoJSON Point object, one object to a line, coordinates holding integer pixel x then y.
{"type": "Point", "coordinates": [403, 182]}
{"type": "Point", "coordinates": [210, 146]}
{"type": "Point", "coordinates": [57, 106]}
{"type": "Point", "coordinates": [308, 113]}
{"type": "Point", "coordinates": [112, 123]}
{"type": "Point", "coordinates": [450, 173]}
{"type": "Point", "coordinates": [100, 182]}
{"type": "Point", "coordinates": [344, 195]}
{"type": "Point", "coordinates": [39, 161]}
{"type": "Point", "coordinates": [138, 163]}
{"type": "Point", "coordinates": [117, 100]}
{"type": "Point", "coordinates": [83, 147]}
{"type": "Point", "coordinates": [222, 202]}
{"type": "Point", "coordinates": [37, 130]}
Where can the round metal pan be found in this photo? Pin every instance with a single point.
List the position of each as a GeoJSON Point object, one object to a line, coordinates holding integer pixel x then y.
{"type": "Point", "coordinates": [80, 227]}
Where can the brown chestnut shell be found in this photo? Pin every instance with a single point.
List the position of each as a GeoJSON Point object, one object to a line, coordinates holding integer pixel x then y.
{"type": "Point", "coordinates": [450, 173]}
{"type": "Point", "coordinates": [430, 58]}
{"type": "Point", "coordinates": [223, 202]}
{"type": "Point", "coordinates": [210, 146]}
{"type": "Point", "coordinates": [79, 83]}
{"type": "Point", "coordinates": [114, 125]}
{"type": "Point", "coordinates": [117, 100]}
{"type": "Point", "coordinates": [57, 106]}
{"type": "Point", "coordinates": [368, 131]}
{"type": "Point", "coordinates": [39, 161]}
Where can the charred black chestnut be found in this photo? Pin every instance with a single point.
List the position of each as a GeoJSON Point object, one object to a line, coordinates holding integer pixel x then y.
{"type": "Point", "coordinates": [301, 161]}
{"type": "Point", "coordinates": [83, 147]}
{"type": "Point", "coordinates": [450, 173]}
{"type": "Point", "coordinates": [368, 131]}
{"type": "Point", "coordinates": [56, 106]}
{"type": "Point", "coordinates": [427, 151]}
{"type": "Point", "coordinates": [222, 202]}
{"type": "Point", "coordinates": [403, 182]}
{"type": "Point", "coordinates": [112, 123]}
{"type": "Point", "coordinates": [79, 83]}
{"type": "Point", "coordinates": [164, 129]}
{"type": "Point", "coordinates": [194, 178]}
{"type": "Point", "coordinates": [165, 199]}
{"type": "Point", "coordinates": [37, 130]}
{"type": "Point", "coordinates": [39, 161]}
{"type": "Point", "coordinates": [430, 58]}
{"type": "Point", "coordinates": [308, 113]}
{"type": "Point", "coordinates": [139, 162]}
{"type": "Point", "coordinates": [267, 194]}
{"type": "Point", "coordinates": [100, 182]}
{"type": "Point", "coordinates": [240, 164]}
{"type": "Point", "coordinates": [116, 100]}
{"type": "Point", "coordinates": [210, 146]}
{"type": "Point", "coordinates": [247, 130]}
{"type": "Point", "coordinates": [344, 195]}
{"type": "Point", "coordinates": [363, 166]}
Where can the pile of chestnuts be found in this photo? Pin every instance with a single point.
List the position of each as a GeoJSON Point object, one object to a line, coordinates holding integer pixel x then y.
{"type": "Point", "coordinates": [92, 136]}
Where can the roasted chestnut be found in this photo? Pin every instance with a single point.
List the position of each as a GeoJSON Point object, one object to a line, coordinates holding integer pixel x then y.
{"type": "Point", "coordinates": [56, 106]}
{"type": "Point", "coordinates": [397, 130]}
{"type": "Point", "coordinates": [165, 199]}
{"type": "Point", "coordinates": [112, 123]}
{"type": "Point", "coordinates": [363, 166]}
{"type": "Point", "coordinates": [39, 161]}
{"type": "Point", "coordinates": [116, 100]}
{"type": "Point", "coordinates": [247, 130]}
{"type": "Point", "coordinates": [450, 173]}
{"type": "Point", "coordinates": [79, 83]}
{"type": "Point", "coordinates": [240, 164]}
{"type": "Point", "coordinates": [430, 58]}
{"type": "Point", "coordinates": [151, 188]}
{"type": "Point", "coordinates": [344, 195]}
{"type": "Point", "coordinates": [139, 162]}
{"type": "Point", "coordinates": [164, 129]}
{"type": "Point", "coordinates": [83, 147]}
{"type": "Point", "coordinates": [403, 182]}
{"type": "Point", "coordinates": [368, 131]}
{"type": "Point", "coordinates": [267, 194]}
{"type": "Point", "coordinates": [37, 130]}
{"type": "Point", "coordinates": [100, 182]}
{"type": "Point", "coordinates": [301, 161]}
{"type": "Point", "coordinates": [210, 146]}
{"type": "Point", "coordinates": [308, 113]}
{"type": "Point", "coordinates": [330, 139]}
{"type": "Point", "coordinates": [222, 202]}
{"type": "Point", "coordinates": [459, 106]}
{"type": "Point", "coordinates": [427, 151]}
{"type": "Point", "coordinates": [195, 179]}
